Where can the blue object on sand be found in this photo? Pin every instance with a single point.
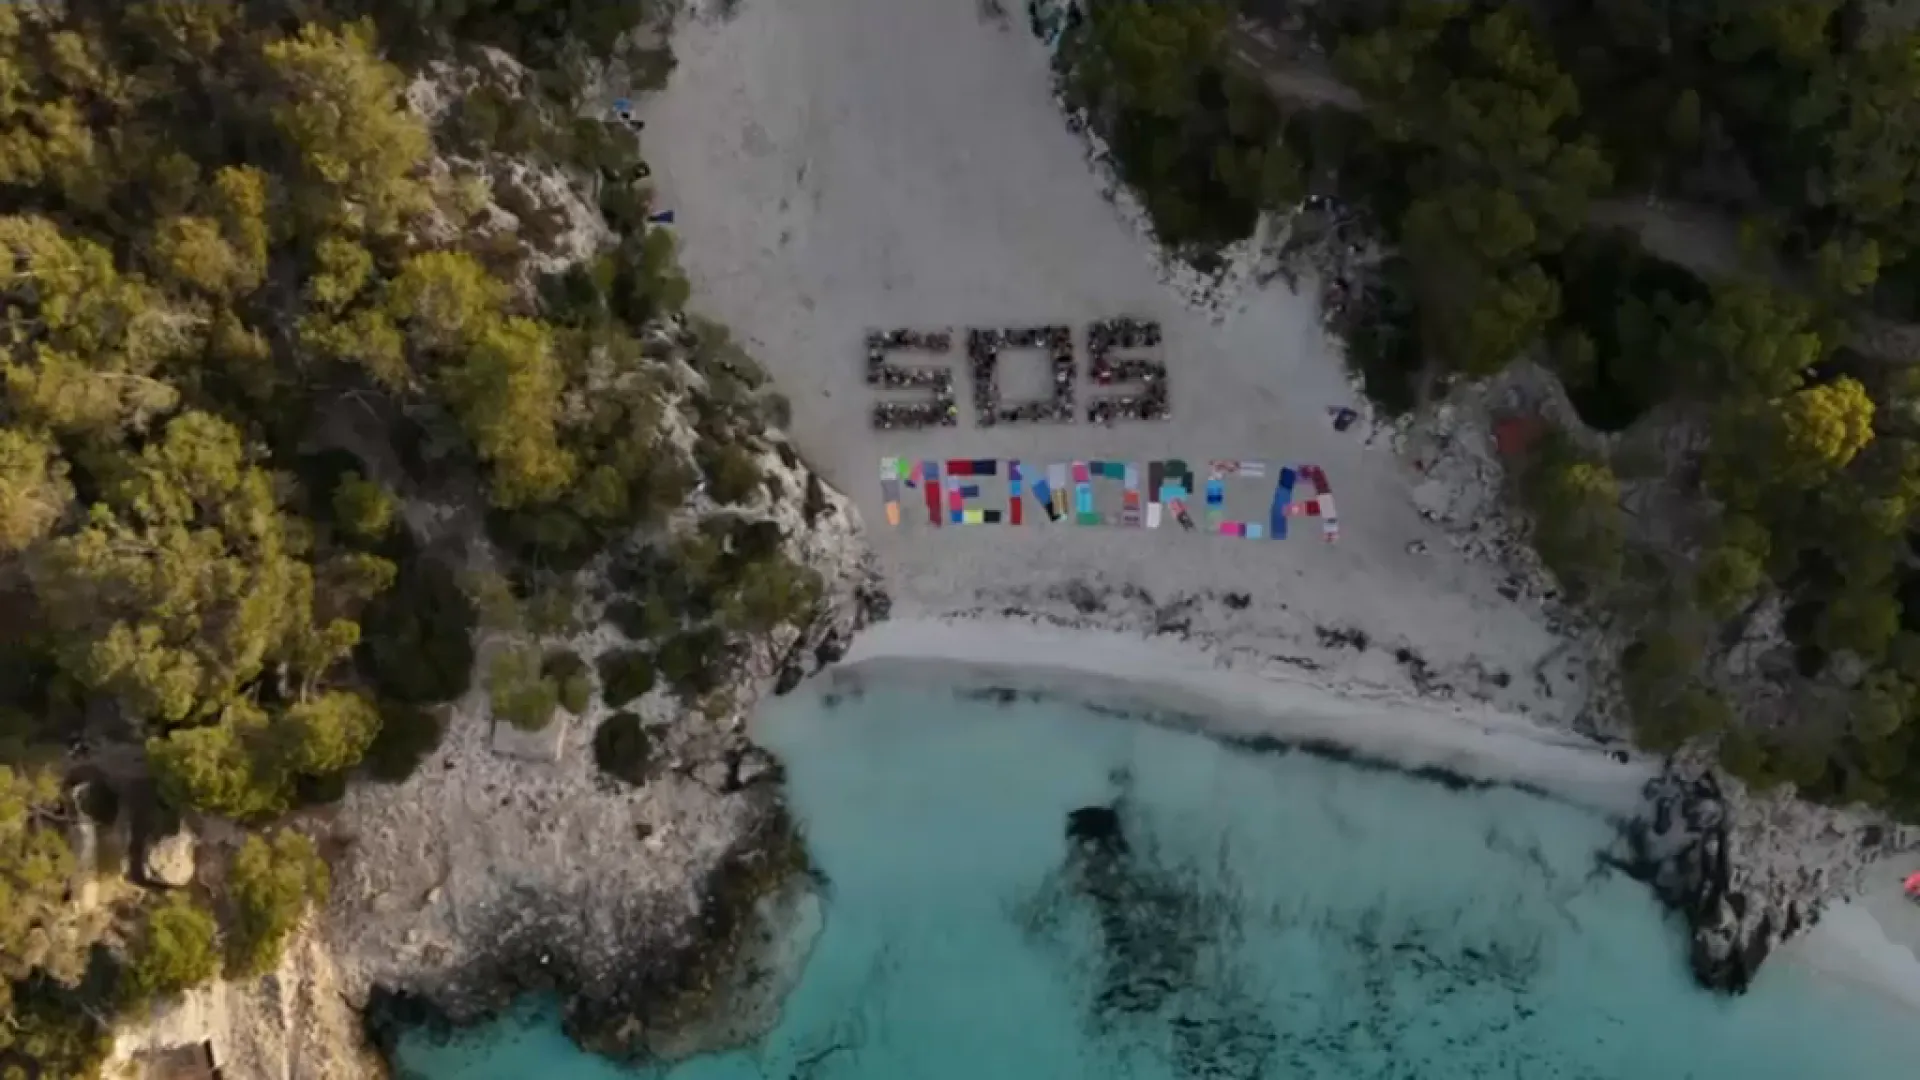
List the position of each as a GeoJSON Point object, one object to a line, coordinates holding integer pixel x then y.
{"type": "Point", "coordinates": [664, 217]}
{"type": "Point", "coordinates": [622, 107]}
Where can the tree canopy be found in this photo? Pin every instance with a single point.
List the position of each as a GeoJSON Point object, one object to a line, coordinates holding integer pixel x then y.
{"type": "Point", "coordinates": [261, 317]}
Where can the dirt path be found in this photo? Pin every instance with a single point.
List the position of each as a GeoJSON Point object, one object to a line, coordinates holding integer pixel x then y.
{"type": "Point", "coordinates": [1703, 239]}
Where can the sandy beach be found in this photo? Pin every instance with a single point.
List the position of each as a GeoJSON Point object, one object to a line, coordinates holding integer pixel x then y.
{"type": "Point", "coordinates": [836, 166]}
{"type": "Point", "coordinates": [840, 165]}
{"type": "Point", "coordinates": [1138, 675]}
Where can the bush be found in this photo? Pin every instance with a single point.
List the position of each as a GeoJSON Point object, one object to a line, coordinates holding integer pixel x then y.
{"type": "Point", "coordinates": [642, 619]}
{"type": "Point", "coordinates": [568, 673]}
{"type": "Point", "coordinates": [177, 949]}
{"type": "Point", "coordinates": [1578, 530]}
{"type": "Point", "coordinates": [769, 593]}
{"type": "Point", "coordinates": [622, 749]}
{"type": "Point", "coordinates": [271, 883]}
{"type": "Point", "coordinates": [408, 735]}
{"type": "Point", "coordinates": [517, 691]}
{"type": "Point", "coordinates": [732, 474]}
{"type": "Point", "coordinates": [696, 662]}
{"type": "Point", "coordinates": [625, 674]}
{"type": "Point", "coordinates": [646, 281]}
{"type": "Point", "coordinates": [416, 639]}
{"type": "Point", "coordinates": [363, 509]}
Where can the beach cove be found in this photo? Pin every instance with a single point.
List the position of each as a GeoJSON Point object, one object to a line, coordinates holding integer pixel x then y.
{"type": "Point", "coordinates": [1287, 908]}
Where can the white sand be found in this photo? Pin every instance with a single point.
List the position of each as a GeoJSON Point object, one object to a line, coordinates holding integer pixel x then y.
{"type": "Point", "coordinates": [840, 165]}
{"type": "Point", "coordinates": [1471, 740]}
{"type": "Point", "coordinates": [1873, 940]}
{"type": "Point", "coordinates": [837, 165]}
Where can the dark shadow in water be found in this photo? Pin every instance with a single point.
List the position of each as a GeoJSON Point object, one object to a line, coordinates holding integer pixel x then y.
{"type": "Point", "coordinates": [1170, 974]}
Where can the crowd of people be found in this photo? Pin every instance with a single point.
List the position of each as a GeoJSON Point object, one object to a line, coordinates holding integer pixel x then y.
{"type": "Point", "coordinates": [941, 409]}
{"type": "Point", "coordinates": [1103, 339]}
{"type": "Point", "coordinates": [983, 359]}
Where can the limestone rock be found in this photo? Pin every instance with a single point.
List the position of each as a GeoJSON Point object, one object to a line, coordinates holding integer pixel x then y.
{"type": "Point", "coordinates": [1747, 872]}
{"type": "Point", "coordinates": [169, 860]}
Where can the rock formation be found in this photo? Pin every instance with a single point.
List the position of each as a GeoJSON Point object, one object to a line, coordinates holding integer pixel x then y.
{"type": "Point", "coordinates": [670, 917]}
{"type": "Point", "coordinates": [169, 860]}
{"type": "Point", "coordinates": [1747, 871]}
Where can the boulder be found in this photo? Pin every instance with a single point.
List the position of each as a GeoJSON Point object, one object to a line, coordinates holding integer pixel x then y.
{"type": "Point", "coordinates": [169, 861]}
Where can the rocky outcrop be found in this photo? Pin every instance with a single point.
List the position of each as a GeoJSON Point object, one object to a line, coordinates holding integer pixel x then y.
{"type": "Point", "coordinates": [293, 1022]}
{"type": "Point", "coordinates": [672, 916]}
{"type": "Point", "coordinates": [1745, 871]}
{"type": "Point", "coordinates": [169, 860]}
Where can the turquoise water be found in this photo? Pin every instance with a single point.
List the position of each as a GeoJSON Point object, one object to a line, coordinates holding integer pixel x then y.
{"type": "Point", "coordinates": [1275, 916]}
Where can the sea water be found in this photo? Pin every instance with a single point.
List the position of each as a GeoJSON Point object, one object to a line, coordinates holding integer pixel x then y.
{"type": "Point", "coordinates": [1275, 915]}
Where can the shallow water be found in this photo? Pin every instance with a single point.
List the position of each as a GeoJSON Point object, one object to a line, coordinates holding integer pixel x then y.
{"type": "Point", "coordinates": [1274, 916]}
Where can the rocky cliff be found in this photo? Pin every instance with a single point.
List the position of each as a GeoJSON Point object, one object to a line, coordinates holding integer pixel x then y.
{"type": "Point", "coordinates": [500, 868]}
{"type": "Point", "coordinates": [1747, 871]}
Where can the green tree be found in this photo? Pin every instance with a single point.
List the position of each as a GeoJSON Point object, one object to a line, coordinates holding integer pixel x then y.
{"type": "Point", "coordinates": [571, 679]}
{"type": "Point", "coordinates": [177, 949]}
{"type": "Point", "coordinates": [1823, 427]}
{"type": "Point", "coordinates": [622, 749]}
{"type": "Point", "coordinates": [84, 343]}
{"type": "Point", "coordinates": [1574, 504]}
{"type": "Point", "coordinates": [1670, 707]}
{"type": "Point", "coordinates": [358, 150]}
{"type": "Point", "coordinates": [327, 733]}
{"type": "Point", "coordinates": [1734, 568]}
{"type": "Point", "coordinates": [363, 508]}
{"type": "Point", "coordinates": [517, 690]}
{"type": "Point", "coordinates": [271, 883]}
{"type": "Point", "coordinates": [446, 300]}
{"type": "Point", "coordinates": [625, 674]}
{"type": "Point", "coordinates": [1862, 619]}
{"type": "Point", "coordinates": [768, 593]}
{"type": "Point", "coordinates": [1752, 341]}
{"type": "Point", "coordinates": [1846, 266]}
{"type": "Point", "coordinates": [342, 269]}
{"type": "Point", "coordinates": [1481, 298]}
{"type": "Point", "coordinates": [185, 581]}
{"type": "Point", "coordinates": [34, 492]}
{"type": "Point", "coordinates": [226, 767]}
{"type": "Point", "coordinates": [36, 869]}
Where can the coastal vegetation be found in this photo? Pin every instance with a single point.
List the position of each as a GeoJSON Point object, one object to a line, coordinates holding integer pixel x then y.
{"type": "Point", "coordinates": [1701, 219]}
{"type": "Point", "coordinates": [295, 321]}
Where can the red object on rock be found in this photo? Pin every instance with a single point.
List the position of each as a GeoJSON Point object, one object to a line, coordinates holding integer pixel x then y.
{"type": "Point", "coordinates": [1515, 434]}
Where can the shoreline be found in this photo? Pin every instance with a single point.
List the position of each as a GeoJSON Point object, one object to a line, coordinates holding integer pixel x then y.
{"type": "Point", "coordinates": [876, 164]}
{"type": "Point", "coordinates": [1870, 938]}
{"type": "Point", "coordinates": [1128, 672]}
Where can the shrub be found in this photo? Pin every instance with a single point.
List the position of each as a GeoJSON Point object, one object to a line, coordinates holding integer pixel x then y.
{"type": "Point", "coordinates": [625, 674]}
{"type": "Point", "coordinates": [568, 673]}
{"type": "Point", "coordinates": [408, 734]}
{"type": "Point", "coordinates": [732, 473]}
{"type": "Point", "coordinates": [271, 883]}
{"type": "Point", "coordinates": [696, 662]}
{"type": "Point", "coordinates": [177, 948]}
{"type": "Point", "coordinates": [768, 593]}
{"type": "Point", "coordinates": [1578, 529]}
{"type": "Point", "coordinates": [416, 640]}
{"type": "Point", "coordinates": [363, 509]}
{"type": "Point", "coordinates": [643, 619]}
{"type": "Point", "coordinates": [622, 749]}
{"type": "Point", "coordinates": [517, 691]}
